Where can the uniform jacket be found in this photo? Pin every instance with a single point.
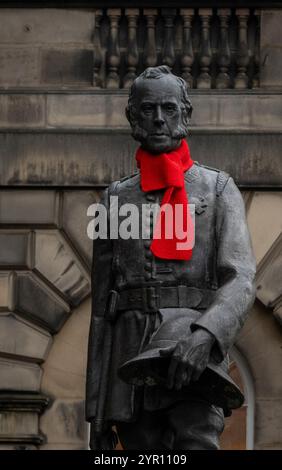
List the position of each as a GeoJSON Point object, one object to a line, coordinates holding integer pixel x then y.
{"type": "Point", "coordinates": [220, 276]}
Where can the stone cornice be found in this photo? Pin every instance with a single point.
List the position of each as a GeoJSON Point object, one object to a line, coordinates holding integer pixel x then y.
{"type": "Point", "coordinates": [11, 401]}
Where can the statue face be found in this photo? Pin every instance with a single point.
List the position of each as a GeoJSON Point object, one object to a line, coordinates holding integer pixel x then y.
{"type": "Point", "coordinates": [159, 124]}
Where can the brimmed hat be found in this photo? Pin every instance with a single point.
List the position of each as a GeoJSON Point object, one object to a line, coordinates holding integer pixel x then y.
{"type": "Point", "coordinates": [151, 368]}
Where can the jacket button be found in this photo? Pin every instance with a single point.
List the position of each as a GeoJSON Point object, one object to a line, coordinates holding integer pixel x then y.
{"type": "Point", "coordinates": [148, 254]}
{"type": "Point", "coordinates": [147, 276]}
{"type": "Point", "coordinates": [147, 243]}
{"type": "Point", "coordinates": [150, 197]}
{"type": "Point", "coordinates": [148, 267]}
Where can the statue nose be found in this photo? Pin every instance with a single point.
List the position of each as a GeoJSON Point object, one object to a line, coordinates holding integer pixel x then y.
{"type": "Point", "coordinates": [158, 118]}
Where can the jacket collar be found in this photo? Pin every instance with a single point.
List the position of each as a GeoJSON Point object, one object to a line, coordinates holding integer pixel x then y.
{"type": "Point", "coordinates": [192, 174]}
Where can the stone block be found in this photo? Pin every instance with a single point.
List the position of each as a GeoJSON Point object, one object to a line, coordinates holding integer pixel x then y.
{"type": "Point", "coordinates": [65, 367]}
{"type": "Point", "coordinates": [75, 220]}
{"type": "Point", "coordinates": [19, 419]}
{"type": "Point", "coordinates": [269, 275]}
{"type": "Point", "coordinates": [19, 66]}
{"type": "Point", "coordinates": [268, 426]}
{"type": "Point", "coordinates": [76, 327]}
{"type": "Point", "coordinates": [266, 205]}
{"type": "Point", "coordinates": [271, 76]}
{"type": "Point", "coordinates": [90, 110]}
{"type": "Point", "coordinates": [19, 376]}
{"type": "Point", "coordinates": [271, 49]}
{"type": "Point", "coordinates": [17, 424]}
{"type": "Point", "coordinates": [64, 423]}
{"type": "Point", "coordinates": [22, 110]}
{"type": "Point", "coordinates": [55, 260]}
{"type": "Point", "coordinates": [20, 338]}
{"type": "Point", "coordinates": [37, 302]}
{"type": "Point", "coordinates": [69, 358]}
{"type": "Point", "coordinates": [211, 112]}
{"type": "Point", "coordinates": [14, 249]}
{"type": "Point", "coordinates": [260, 343]}
{"type": "Point", "coordinates": [60, 382]}
{"type": "Point", "coordinates": [89, 159]}
{"type": "Point", "coordinates": [236, 112]}
{"type": "Point", "coordinates": [41, 25]}
{"type": "Point", "coordinates": [278, 313]}
{"type": "Point", "coordinates": [28, 207]}
{"type": "Point", "coordinates": [5, 280]}
{"type": "Point", "coordinates": [66, 66]}
{"type": "Point", "coordinates": [242, 155]}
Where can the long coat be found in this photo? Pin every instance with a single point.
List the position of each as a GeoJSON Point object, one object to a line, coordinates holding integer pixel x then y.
{"type": "Point", "coordinates": [220, 277]}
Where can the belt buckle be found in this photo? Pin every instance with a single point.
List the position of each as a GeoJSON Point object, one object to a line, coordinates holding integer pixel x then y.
{"type": "Point", "coordinates": [182, 296]}
{"type": "Point", "coordinates": [154, 297]}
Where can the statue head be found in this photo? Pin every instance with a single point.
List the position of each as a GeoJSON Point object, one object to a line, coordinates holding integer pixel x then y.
{"type": "Point", "coordinates": [159, 109]}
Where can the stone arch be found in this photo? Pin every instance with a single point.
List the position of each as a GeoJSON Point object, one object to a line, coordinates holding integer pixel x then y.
{"type": "Point", "coordinates": [63, 423]}
{"type": "Point", "coordinates": [260, 341]}
{"type": "Point", "coordinates": [260, 344]}
{"type": "Point", "coordinates": [249, 392]}
{"type": "Point", "coordinates": [45, 259]}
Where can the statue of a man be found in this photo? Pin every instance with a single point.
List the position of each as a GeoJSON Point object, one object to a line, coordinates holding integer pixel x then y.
{"type": "Point", "coordinates": [164, 315]}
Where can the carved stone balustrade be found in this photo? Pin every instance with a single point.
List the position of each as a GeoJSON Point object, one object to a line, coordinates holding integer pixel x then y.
{"type": "Point", "coordinates": [209, 48]}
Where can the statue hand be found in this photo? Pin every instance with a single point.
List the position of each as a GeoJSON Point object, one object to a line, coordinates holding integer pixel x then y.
{"type": "Point", "coordinates": [189, 358]}
{"type": "Point", "coordinates": [107, 440]}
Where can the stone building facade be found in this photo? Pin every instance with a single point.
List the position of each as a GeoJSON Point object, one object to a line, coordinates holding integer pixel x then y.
{"type": "Point", "coordinates": [64, 81]}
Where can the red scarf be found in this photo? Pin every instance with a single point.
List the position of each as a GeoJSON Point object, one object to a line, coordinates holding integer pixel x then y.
{"type": "Point", "coordinates": [166, 170]}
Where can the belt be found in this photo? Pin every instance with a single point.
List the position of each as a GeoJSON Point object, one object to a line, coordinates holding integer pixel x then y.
{"type": "Point", "coordinates": [154, 297]}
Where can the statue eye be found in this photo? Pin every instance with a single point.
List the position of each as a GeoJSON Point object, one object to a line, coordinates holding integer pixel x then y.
{"type": "Point", "coordinates": [147, 109]}
{"type": "Point", "coordinates": [170, 108]}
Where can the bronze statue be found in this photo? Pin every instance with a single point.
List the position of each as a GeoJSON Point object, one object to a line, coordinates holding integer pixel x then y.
{"type": "Point", "coordinates": [163, 322]}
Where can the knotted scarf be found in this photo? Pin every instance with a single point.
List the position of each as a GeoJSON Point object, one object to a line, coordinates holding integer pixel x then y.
{"type": "Point", "coordinates": [166, 171]}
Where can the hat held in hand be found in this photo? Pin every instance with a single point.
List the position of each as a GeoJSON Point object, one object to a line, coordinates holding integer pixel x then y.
{"type": "Point", "coordinates": [151, 368]}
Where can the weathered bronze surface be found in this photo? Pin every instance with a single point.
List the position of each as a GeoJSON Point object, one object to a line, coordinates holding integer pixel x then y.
{"type": "Point", "coordinates": [218, 282]}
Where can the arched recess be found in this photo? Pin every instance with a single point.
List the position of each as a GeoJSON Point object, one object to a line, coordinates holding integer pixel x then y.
{"type": "Point", "coordinates": [45, 259]}
{"type": "Point", "coordinates": [249, 393]}
{"type": "Point", "coordinates": [260, 343]}
{"type": "Point", "coordinates": [63, 423]}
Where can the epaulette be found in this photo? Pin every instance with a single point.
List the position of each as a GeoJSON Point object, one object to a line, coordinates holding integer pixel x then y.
{"type": "Point", "coordinates": [222, 178]}
{"type": "Point", "coordinates": [129, 176]}
{"type": "Point", "coordinates": [112, 187]}
{"type": "Point", "coordinates": [208, 167]}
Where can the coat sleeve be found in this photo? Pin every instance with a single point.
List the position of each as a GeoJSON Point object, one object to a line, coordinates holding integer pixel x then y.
{"type": "Point", "coordinates": [101, 282]}
{"type": "Point", "coordinates": [236, 270]}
